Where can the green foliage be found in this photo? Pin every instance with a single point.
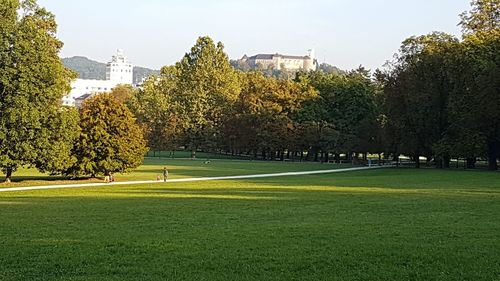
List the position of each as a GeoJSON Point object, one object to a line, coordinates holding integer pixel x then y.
{"type": "Point", "coordinates": [56, 148]}
{"type": "Point", "coordinates": [156, 109]}
{"type": "Point", "coordinates": [187, 102]}
{"type": "Point", "coordinates": [484, 16]}
{"type": "Point", "coordinates": [475, 106]}
{"type": "Point", "coordinates": [328, 68]}
{"type": "Point", "coordinates": [207, 86]}
{"type": "Point", "coordinates": [346, 103]}
{"type": "Point", "coordinates": [261, 116]}
{"type": "Point", "coordinates": [110, 140]}
{"type": "Point", "coordinates": [417, 93]}
{"type": "Point", "coordinates": [123, 93]}
{"type": "Point", "coordinates": [32, 82]}
{"type": "Point", "coordinates": [441, 95]}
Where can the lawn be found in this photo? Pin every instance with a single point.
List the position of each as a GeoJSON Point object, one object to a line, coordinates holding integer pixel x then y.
{"type": "Point", "coordinates": [390, 224]}
{"type": "Point", "coordinates": [178, 168]}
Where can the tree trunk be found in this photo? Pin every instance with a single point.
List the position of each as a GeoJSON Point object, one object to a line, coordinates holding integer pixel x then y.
{"type": "Point", "coordinates": [395, 157]}
{"type": "Point", "coordinates": [8, 175]}
{"type": "Point", "coordinates": [492, 156]}
{"type": "Point", "coordinates": [327, 158]}
{"type": "Point", "coordinates": [439, 162]}
{"type": "Point", "coordinates": [471, 163]}
{"type": "Point", "coordinates": [417, 160]}
{"type": "Point", "coordinates": [337, 158]}
{"type": "Point", "coordinates": [446, 161]}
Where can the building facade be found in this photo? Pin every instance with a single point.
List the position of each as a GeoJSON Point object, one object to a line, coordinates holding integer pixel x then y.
{"type": "Point", "coordinates": [118, 71]}
{"type": "Point", "coordinates": [281, 62]}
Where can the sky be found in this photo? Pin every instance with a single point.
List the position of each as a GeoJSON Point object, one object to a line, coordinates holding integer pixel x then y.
{"type": "Point", "coordinates": [344, 33]}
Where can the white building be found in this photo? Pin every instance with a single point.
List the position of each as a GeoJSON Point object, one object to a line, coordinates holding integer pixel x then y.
{"type": "Point", "coordinates": [282, 62]}
{"type": "Point", "coordinates": [118, 71]}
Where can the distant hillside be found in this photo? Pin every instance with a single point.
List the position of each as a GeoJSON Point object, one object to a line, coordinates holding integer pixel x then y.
{"type": "Point", "coordinates": [143, 72]}
{"type": "Point", "coordinates": [90, 69]}
{"type": "Point", "coordinates": [86, 69]}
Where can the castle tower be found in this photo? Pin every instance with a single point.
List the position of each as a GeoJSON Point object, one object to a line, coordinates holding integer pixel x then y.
{"type": "Point", "coordinates": [309, 60]}
{"type": "Point", "coordinates": [119, 69]}
{"type": "Point", "coordinates": [311, 53]}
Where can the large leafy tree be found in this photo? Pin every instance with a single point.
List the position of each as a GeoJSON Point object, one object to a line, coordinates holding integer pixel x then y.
{"type": "Point", "coordinates": [110, 140]}
{"type": "Point", "coordinates": [56, 147]}
{"type": "Point", "coordinates": [260, 119]}
{"type": "Point", "coordinates": [475, 104]}
{"type": "Point", "coordinates": [32, 82]}
{"type": "Point", "coordinates": [207, 86]}
{"type": "Point", "coordinates": [156, 109]}
{"type": "Point", "coordinates": [417, 94]}
{"type": "Point", "coordinates": [346, 103]}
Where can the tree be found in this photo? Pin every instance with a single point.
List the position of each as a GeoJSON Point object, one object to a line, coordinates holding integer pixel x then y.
{"type": "Point", "coordinates": [123, 93]}
{"type": "Point", "coordinates": [475, 104]}
{"type": "Point", "coordinates": [110, 140]}
{"type": "Point", "coordinates": [417, 96]}
{"type": "Point", "coordinates": [155, 108]}
{"type": "Point", "coordinates": [207, 86]}
{"type": "Point", "coordinates": [345, 103]}
{"type": "Point", "coordinates": [55, 149]}
{"type": "Point", "coordinates": [328, 68]}
{"type": "Point", "coordinates": [483, 17]}
{"type": "Point", "coordinates": [33, 81]}
{"type": "Point", "coordinates": [260, 119]}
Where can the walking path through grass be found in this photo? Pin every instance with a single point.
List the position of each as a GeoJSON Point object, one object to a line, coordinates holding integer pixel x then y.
{"type": "Point", "coordinates": [192, 179]}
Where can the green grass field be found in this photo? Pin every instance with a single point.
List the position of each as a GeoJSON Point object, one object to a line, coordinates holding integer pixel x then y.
{"type": "Point", "coordinates": [178, 168]}
{"type": "Point", "coordinates": [390, 224]}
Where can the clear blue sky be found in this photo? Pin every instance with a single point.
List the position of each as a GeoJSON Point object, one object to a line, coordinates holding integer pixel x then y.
{"type": "Point", "coordinates": [345, 33]}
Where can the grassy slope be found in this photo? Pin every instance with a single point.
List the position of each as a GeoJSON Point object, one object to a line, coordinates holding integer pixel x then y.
{"type": "Point", "coordinates": [373, 225]}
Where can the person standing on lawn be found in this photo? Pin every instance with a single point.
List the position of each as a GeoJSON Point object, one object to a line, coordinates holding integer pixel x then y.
{"type": "Point", "coordinates": [165, 174]}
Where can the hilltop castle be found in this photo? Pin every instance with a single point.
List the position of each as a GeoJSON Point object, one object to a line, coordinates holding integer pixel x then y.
{"type": "Point", "coordinates": [281, 62]}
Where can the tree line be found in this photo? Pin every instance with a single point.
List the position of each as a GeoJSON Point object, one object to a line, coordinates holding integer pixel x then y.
{"type": "Point", "coordinates": [439, 98]}
{"type": "Point", "coordinates": [441, 95]}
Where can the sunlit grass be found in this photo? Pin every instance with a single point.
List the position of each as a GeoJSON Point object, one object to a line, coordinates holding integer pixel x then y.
{"type": "Point", "coordinates": [389, 224]}
{"type": "Point", "coordinates": [178, 168]}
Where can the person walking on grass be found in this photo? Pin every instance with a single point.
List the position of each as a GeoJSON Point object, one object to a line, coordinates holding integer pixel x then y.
{"type": "Point", "coordinates": [165, 174]}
